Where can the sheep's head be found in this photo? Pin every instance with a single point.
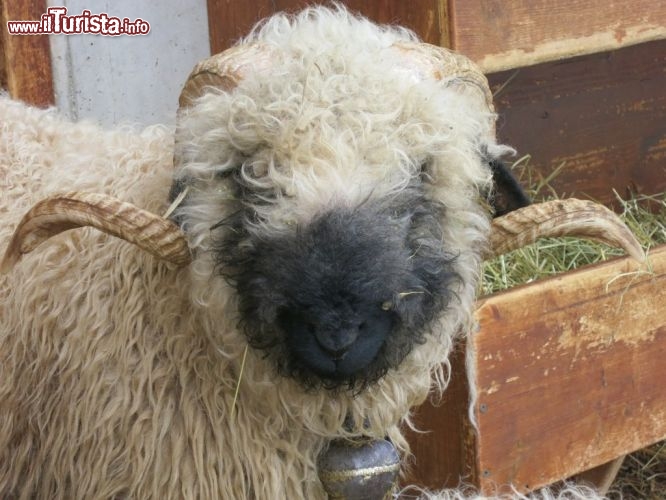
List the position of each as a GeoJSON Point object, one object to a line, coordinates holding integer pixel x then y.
{"type": "Point", "coordinates": [316, 181]}
{"type": "Point", "coordinates": [337, 192]}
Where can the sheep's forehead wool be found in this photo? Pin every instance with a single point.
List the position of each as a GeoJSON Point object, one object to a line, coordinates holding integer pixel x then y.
{"type": "Point", "coordinates": [336, 109]}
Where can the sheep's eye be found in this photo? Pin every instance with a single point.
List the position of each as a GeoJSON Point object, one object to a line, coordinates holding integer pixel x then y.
{"type": "Point", "coordinates": [387, 305]}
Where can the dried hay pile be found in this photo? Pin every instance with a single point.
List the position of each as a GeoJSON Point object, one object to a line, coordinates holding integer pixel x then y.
{"type": "Point", "coordinates": [645, 216]}
{"type": "Point", "coordinates": [643, 473]}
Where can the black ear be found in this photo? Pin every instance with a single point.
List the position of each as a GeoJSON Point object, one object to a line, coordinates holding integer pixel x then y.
{"type": "Point", "coordinates": [507, 194]}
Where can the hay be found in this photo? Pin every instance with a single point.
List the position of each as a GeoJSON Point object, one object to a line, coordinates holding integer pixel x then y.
{"type": "Point", "coordinates": [643, 473]}
{"type": "Point", "coordinates": [645, 216]}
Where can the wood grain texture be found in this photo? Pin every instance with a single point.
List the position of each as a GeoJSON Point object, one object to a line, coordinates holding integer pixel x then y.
{"type": "Point", "coordinates": [26, 59]}
{"type": "Point", "coordinates": [229, 20]}
{"type": "Point", "coordinates": [570, 373]}
{"type": "Point", "coordinates": [504, 34]}
{"type": "Point", "coordinates": [444, 454]}
{"type": "Point", "coordinates": [602, 116]}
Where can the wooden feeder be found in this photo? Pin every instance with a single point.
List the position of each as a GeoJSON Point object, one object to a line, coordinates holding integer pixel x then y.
{"type": "Point", "coordinates": [569, 377]}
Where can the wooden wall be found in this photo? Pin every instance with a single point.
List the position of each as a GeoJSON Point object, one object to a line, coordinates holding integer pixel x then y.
{"type": "Point", "coordinates": [230, 20]}
{"type": "Point", "coordinates": [496, 34]}
{"type": "Point", "coordinates": [600, 117]}
{"type": "Point", "coordinates": [505, 34]}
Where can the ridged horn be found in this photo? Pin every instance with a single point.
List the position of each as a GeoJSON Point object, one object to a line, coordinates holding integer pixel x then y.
{"type": "Point", "coordinates": [225, 70]}
{"type": "Point", "coordinates": [570, 217]}
{"type": "Point", "coordinates": [51, 216]}
{"type": "Point", "coordinates": [219, 73]}
{"type": "Point", "coordinates": [425, 60]}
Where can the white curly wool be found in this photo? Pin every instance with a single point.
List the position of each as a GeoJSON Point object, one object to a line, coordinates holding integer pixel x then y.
{"type": "Point", "coordinates": [118, 373]}
{"type": "Point", "coordinates": [560, 492]}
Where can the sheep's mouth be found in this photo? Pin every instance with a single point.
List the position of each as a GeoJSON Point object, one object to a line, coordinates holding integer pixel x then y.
{"type": "Point", "coordinates": [338, 367]}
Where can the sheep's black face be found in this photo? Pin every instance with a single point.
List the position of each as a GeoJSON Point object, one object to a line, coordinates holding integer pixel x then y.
{"type": "Point", "coordinates": [340, 301]}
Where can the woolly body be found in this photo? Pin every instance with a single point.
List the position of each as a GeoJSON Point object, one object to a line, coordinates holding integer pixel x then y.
{"type": "Point", "coordinates": [118, 372]}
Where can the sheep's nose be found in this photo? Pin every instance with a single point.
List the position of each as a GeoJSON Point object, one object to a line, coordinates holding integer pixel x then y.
{"type": "Point", "coordinates": [337, 343]}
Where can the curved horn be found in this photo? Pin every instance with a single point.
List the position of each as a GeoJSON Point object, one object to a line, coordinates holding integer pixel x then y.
{"type": "Point", "coordinates": [220, 72]}
{"type": "Point", "coordinates": [426, 60]}
{"type": "Point", "coordinates": [423, 60]}
{"type": "Point", "coordinates": [557, 218]}
{"type": "Point", "coordinates": [225, 70]}
{"type": "Point", "coordinates": [157, 235]}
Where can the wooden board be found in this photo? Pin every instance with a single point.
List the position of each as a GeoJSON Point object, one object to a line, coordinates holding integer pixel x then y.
{"type": "Point", "coordinates": [26, 59]}
{"type": "Point", "coordinates": [445, 452]}
{"type": "Point", "coordinates": [570, 376]}
{"type": "Point", "coordinates": [570, 373]}
{"type": "Point", "coordinates": [497, 34]}
{"type": "Point", "coordinates": [503, 34]}
{"type": "Point", "coordinates": [602, 116]}
{"type": "Point", "coordinates": [228, 21]}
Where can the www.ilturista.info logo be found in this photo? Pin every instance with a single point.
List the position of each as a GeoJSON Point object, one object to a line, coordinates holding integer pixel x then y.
{"type": "Point", "coordinates": [56, 21]}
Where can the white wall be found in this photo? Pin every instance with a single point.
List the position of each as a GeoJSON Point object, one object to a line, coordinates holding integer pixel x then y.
{"type": "Point", "coordinates": [133, 79]}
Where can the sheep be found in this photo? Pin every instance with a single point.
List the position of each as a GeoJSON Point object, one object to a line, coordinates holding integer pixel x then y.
{"type": "Point", "coordinates": [321, 260]}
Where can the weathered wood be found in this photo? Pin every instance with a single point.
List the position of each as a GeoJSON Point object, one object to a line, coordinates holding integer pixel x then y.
{"type": "Point", "coordinates": [445, 452]}
{"type": "Point", "coordinates": [503, 34]}
{"type": "Point", "coordinates": [569, 377]}
{"type": "Point", "coordinates": [603, 117]}
{"type": "Point", "coordinates": [570, 373]}
{"type": "Point", "coordinates": [26, 58]}
{"type": "Point", "coordinates": [498, 34]}
{"type": "Point", "coordinates": [229, 20]}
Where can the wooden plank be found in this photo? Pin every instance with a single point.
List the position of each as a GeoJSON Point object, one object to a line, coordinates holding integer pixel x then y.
{"type": "Point", "coordinates": [26, 58]}
{"type": "Point", "coordinates": [602, 116]}
{"type": "Point", "coordinates": [230, 20]}
{"type": "Point", "coordinates": [444, 449]}
{"type": "Point", "coordinates": [504, 34]}
{"type": "Point", "coordinates": [570, 373]}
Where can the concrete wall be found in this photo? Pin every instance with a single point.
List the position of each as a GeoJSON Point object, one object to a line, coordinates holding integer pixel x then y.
{"type": "Point", "coordinates": [133, 79]}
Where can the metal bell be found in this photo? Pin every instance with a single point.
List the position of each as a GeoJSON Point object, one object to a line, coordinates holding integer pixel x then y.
{"type": "Point", "coordinates": [359, 469]}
